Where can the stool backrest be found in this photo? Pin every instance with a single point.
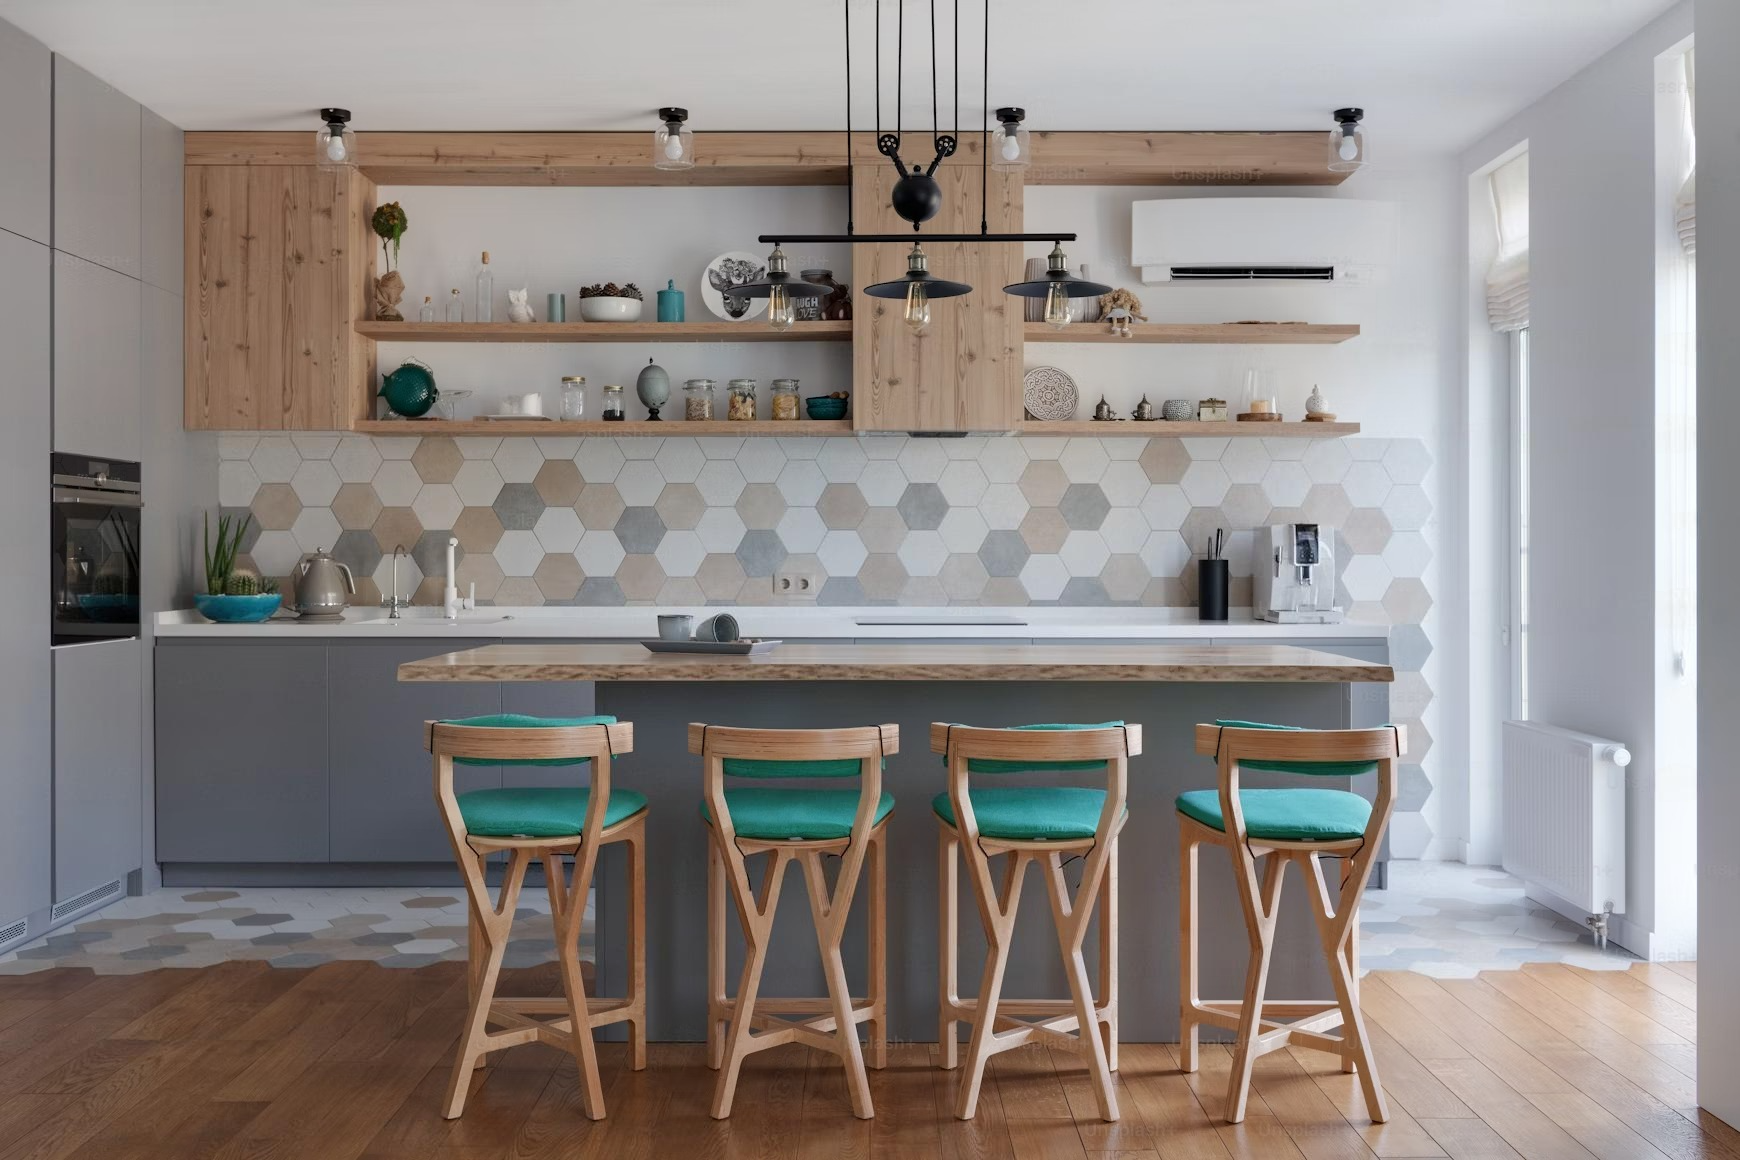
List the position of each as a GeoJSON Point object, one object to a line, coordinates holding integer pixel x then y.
{"type": "Point", "coordinates": [1029, 748]}
{"type": "Point", "coordinates": [474, 741]}
{"type": "Point", "coordinates": [1310, 752]}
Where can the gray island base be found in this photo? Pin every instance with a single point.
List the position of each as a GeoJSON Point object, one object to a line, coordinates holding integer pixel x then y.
{"type": "Point", "coordinates": [1168, 689]}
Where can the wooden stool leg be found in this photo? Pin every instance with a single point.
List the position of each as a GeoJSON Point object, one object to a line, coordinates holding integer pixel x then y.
{"type": "Point", "coordinates": [1069, 942]}
{"type": "Point", "coordinates": [1348, 1066]}
{"type": "Point", "coordinates": [1189, 991]}
{"type": "Point", "coordinates": [877, 938]}
{"type": "Point", "coordinates": [830, 927]}
{"type": "Point", "coordinates": [1108, 973]}
{"type": "Point", "coordinates": [757, 917]}
{"type": "Point", "coordinates": [1260, 911]}
{"type": "Point", "coordinates": [636, 843]}
{"type": "Point", "coordinates": [569, 918]}
{"type": "Point", "coordinates": [495, 922]}
{"type": "Point", "coordinates": [999, 916]}
{"type": "Point", "coordinates": [948, 947]}
{"type": "Point", "coordinates": [476, 954]}
{"type": "Point", "coordinates": [716, 997]}
{"type": "Point", "coordinates": [1335, 927]}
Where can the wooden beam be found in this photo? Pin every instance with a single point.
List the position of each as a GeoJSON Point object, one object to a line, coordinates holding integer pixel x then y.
{"type": "Point", "coordinates": [1292, 158]}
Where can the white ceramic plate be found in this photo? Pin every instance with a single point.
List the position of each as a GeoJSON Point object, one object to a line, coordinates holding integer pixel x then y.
{"type": "Point", "coordinates": [532, 418]}
{"type": "Point", "coordinates": [1049, 394]}
{"type": "Point", "coordinates": [733, 268]}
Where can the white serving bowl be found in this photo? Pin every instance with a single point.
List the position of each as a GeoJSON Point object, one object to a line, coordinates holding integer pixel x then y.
{"type": "Point", "coordinates": [610, 309]}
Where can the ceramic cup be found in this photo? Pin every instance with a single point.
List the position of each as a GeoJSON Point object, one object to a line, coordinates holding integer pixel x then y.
{"type": "Point", "coordinates": [676, 626]}
{"type": "Point", "coordinates": [721, 628]}
{"type": "Point", "coordinates": [530, 403]}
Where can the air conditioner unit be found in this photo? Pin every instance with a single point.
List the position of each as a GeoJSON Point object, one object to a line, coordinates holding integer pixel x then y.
{"type": "Point", "coordinates": [1245, 240]}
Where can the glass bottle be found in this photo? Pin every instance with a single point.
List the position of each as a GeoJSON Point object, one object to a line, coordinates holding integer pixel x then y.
{"type": "Point", "coordinates": [455, 307]}
{"type": "Point", "coordinates": [784, 404]}
{"type": "Point", "coordinates": [485, 291]}
{"type": "Point", "coordinates": [426, 313]}
{"type": "Point", "coordinates": [740, 403]}
{"type": "Point", "coordinates": [573, 397]}
{"type": "Point", "coordinates": [698, 400]}
{"type": "Point", "coordinates": [611, 411]}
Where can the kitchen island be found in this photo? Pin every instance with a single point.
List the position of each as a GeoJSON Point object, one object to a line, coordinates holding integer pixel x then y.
{"type": "Point", "coordinates": [1168, 688]}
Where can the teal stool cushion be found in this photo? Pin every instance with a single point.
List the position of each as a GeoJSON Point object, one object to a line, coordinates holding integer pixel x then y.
{"type": "Point", "coordinates": [758, 767]}
{"type": "Point", "coordinates": [523, 721]}
{"type": "Point", "coordinates": [1031, 813]}
{"type": "Point", "coordinates": [808, 815]}
{"type": "Point", "coordinates": [989, 765]}
{"type": "Point", "coordinates": [1285, 815]}
{"type": "Point", "coordinates": [533, 812]}
{"type": "Point", "coordinates": [1311, 768]}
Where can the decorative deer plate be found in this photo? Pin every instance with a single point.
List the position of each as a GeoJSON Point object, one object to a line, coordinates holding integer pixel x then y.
{"type": "Point", "coordinates": [730, 269]}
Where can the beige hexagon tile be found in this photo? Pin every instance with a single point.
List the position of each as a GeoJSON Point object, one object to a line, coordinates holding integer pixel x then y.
{"type": "Point", "coordinates": [367, 594]}
{"type": "Point", "coordinates": [1044, 529]}
{"type": "Point", "coordinates": [599, 506]}
{"type": "Point", "coordinates": [1165, 460]}
{"type": "Point", "coordinates": [429, 590]}
{"type": "Point", "coordinates": [356, 505]}
{"type": "Point", "coordinates": [437, 460]}
{"type": "Point", "coordinates": [1366, 530]}
{"type": "Point", "coordinates": [842, 506]}
{"type": "Point", "coordinates": [558, 482]}
{"type": "Point", "coordinates": [1245, 505]}
{"type": "Point", "coordinates": [720, 577]}
{"type": "Point", "coordinates": [1044, 482]}
{"type": "Point", "coordinates": [882, 529]}
{"type": "Point", "coordinates": [681, 506]}
{"type": "Point", "coordinates": [1327, 503]}
{"type": "Point", "coordinates": [396, 526]}
{"type": "Point", "coordinates": [478, 529]}
{"type": "Point", "coordinates": [1004, 592]}
{"type": "Point", "coordinates": [479, 568]}
{"type": "Point", "coordinates": [1125, 577]}
{"type": "Point", "coordinates": [1407, 601]}
{"type": "Point", "coordinates": [641, 577]}
{"type": "Point", "coordinates": [883, 576]}
{"type": "Point", "coordinates": [1165, 592]}
{"type": "Point", "coordinates": [761, 506]}
{"type": "Point", "coordinates": [963, 578]}
{"type": "Point", "coordinates": [923, 592]}
{"type": "Point", "coordinates": [276, 507]}
{"type": "Point", "coordinates": [681, 591]}
{"type": "Point", "coordinates": [519, 592]}
{"type": "Point", "coordinates": [558, 577]}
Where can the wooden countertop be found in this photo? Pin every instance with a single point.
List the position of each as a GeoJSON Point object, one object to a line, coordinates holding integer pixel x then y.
{"type": "Point", "coordinates": [900, 662]}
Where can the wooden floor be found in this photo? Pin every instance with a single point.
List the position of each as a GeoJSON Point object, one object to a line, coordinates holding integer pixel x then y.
{"type": "Point", "coordinates": [349, 1060]}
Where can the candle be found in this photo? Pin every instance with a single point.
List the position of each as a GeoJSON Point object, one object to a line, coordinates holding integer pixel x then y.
{"type": "Point", "coordinates": [1262, 406]}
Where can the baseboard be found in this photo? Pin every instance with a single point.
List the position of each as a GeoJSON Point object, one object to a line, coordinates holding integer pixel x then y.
{"type": "Point", "coordinates": [1620, 930]}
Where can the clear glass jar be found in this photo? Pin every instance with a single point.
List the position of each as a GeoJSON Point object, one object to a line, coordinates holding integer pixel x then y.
{"type": "Point", "coordinates": [573, 397]}
{"type": "Point", "coordinates": [611, 411]}
{"type": "Point", "coordinates": [784, 404]}
{"type": "Point", "coordinates": [740, 403]}
{"type": "Point", "coordinates": [698, 400]}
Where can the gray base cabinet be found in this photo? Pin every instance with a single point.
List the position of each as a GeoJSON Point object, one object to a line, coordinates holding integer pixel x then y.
{"type": "Point", "coordinates": [98, 789]}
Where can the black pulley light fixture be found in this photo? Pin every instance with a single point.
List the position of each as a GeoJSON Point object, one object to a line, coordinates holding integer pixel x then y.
{"type": "Point", "coordinates": [916, 196]}
{"type": "Point", "coordinates": [1057, 288]}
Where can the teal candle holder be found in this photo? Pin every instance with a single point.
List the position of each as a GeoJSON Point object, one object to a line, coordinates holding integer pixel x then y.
{"type": "Point", "coordinates": [670, 302]}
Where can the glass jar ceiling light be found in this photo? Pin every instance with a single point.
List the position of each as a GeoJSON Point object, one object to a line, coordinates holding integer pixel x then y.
{"type": "Point", "coordinates": [1057, 288]}
{"type": "Point", "coordinates": [1013, 148]}
{"type": "Point", "coordinates": [335, 141]}
{"type": "Point", "coordinates": [1347, 144]}
{"type": "Point", "coordinates": [673, 144]}
{"type": "Point", "coordinates": [781, 291]}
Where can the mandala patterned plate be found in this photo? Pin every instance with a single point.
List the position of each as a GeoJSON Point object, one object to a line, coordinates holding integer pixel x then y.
{"type": "Point", "coordinates": [1049, 394]}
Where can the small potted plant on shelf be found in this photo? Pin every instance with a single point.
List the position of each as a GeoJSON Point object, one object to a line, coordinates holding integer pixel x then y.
{"type": "Point", "coordinates": [608, 302]}
{"type": "Point", "coordinates": [389, 223]}
{"type": "Point", "coordinates": [233, 595]}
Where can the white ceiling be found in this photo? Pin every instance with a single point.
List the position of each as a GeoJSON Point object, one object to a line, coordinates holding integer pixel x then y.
{"type": "Point", "coordinates": [1432, 74]}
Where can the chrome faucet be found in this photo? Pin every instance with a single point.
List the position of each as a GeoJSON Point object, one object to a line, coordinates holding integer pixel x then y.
{"type": "Point", "coordinates": [391, 600]}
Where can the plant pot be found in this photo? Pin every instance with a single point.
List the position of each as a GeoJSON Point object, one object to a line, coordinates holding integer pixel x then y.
{"type": "Point", "coordinates": [237, 609]}
{"type": "Point", "coordinates": [610, 309]}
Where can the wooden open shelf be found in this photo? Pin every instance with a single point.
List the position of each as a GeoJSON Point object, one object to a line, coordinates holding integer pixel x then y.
{"type": "Point", "coordinates": [1273, 333]}
{"type": "Point", "coordinates": [789, 427]}
{"type": "Point", "coordinates": [748, 331]}
{"type": "Point", "coordinates": [1161, 428]}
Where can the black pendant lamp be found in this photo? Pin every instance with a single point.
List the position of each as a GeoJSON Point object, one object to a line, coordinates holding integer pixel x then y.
{"type": "Point", "coordinates": [1057, 288]}
{"type": "Point", "coordinates": [781, 291]}
{"type": "Point", "coordinates": [918, 288]}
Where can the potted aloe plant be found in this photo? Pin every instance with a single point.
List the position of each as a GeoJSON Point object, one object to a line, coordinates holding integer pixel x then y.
{"type": "Point", "coordinates": [233, 595]}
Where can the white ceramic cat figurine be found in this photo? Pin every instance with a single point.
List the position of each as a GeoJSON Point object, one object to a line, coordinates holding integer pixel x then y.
{"type": "Point", "coordinates": [518, 311]}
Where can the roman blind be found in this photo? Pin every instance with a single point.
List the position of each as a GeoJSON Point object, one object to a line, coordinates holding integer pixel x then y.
{"type": "Point", "coordinates": [1507, 281]}
{"type": "Point", "coordinates": [1686, 204]}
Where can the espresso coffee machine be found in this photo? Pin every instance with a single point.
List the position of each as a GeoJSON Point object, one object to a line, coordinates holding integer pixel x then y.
{"type": "Point", "coordinates": [1293, 575]}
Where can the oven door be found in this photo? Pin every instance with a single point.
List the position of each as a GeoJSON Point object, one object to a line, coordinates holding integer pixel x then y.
{"type": "Point", "coordinates": [96, 563]}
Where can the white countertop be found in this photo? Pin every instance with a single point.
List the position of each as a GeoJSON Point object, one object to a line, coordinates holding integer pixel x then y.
{"type": "Point", "coordinates": [787, 623]}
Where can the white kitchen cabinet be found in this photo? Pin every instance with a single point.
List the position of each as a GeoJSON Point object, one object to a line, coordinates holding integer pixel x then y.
{"type": "Point", "coordinates": [160, 209]}
{"type": "Point", "coordinates": [99, 708]}
{"type": "Point", "coordinates": [96, 360]}
{"type": "Point", "coordinates": [96, 170]}
{"type": "Point", "coordinates": [26, 93]}
{"type": "Point", "coordinates": [25, 808]}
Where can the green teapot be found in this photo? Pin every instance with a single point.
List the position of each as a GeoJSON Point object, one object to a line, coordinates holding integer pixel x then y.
{"type": "Point", "coordinates": [410, 391]}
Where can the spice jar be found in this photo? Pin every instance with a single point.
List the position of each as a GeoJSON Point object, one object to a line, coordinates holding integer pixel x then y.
{"type": "Point", "coordinates": [612, 411]}
{"type": "Point", "coordinates": [573, 397]}
{"type": "Point", "coordinates": [740, 403]}
{"type": "Point", "coordinates": [698, 400]}
{"type": "Point", "coordinates": [785, 399]}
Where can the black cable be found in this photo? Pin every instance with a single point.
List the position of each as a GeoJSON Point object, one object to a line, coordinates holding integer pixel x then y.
{"type": "Point", "coordinates": [899, 66]}
{"type": "Point", "coordinates": [846, 5]}
{"type": "Point", "coordinates": [878, 62]}
{"type": "Point", "coordinates": [985, 134]}
{"type": "Point", "coordinates": [935, 124]}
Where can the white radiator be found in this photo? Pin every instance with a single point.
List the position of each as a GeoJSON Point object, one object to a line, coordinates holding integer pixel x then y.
{"type": "Point", "coordinates": [1564, 813]}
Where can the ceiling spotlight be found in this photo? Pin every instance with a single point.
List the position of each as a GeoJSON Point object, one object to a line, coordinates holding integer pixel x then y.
{"type": "Point", "coordinates": [1011, 148]}
{"type": "Point", "coordinates": [1347, 144]}
{"type": "Point", "coordinates": [673, 141]}
{"type": "Point", "coordinates": [335, 141]}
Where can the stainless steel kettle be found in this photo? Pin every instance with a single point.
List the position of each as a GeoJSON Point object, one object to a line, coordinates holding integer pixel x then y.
{"type": "Point", "coordinates": [321, 586]}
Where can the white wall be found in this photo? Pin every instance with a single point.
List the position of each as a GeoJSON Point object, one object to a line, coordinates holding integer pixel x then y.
{"type": "Point", "coordinates": [1593, 662]}
{"type": "Point", "coordinates": [1718, 32]}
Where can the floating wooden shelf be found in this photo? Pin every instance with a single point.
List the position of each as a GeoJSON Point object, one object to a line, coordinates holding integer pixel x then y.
{"type": "Point", "coordinates": [1274, 333]}
{"type": "Point", "coordinates": [741, 427]}
{"type": "Point", "coordinates": [750, 331]}
{"type": "Point", "coordinates": [1161, 428]}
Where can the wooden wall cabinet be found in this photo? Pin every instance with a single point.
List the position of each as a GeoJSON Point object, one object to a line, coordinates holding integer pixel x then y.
{"type": "Point", "coordinates": [276, 268]}
{"type": "Point", "coordinates": [964, 373]}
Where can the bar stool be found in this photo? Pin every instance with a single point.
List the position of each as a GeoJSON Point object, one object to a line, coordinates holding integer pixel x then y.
{"type": "Point", "coordinates": [1280, 826]}
{"type": "Point", "coordinates": [1033, 825]}
{"type": "Point", "coordinates": [547, 824]}
{"type": "Point", "coordinates": [802, 826]}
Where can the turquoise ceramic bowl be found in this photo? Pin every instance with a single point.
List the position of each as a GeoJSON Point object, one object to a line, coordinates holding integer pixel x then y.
{"type": "Point", "coordinates": [237, 609]}
{"type": "Point", "coordinates": [822, 407]}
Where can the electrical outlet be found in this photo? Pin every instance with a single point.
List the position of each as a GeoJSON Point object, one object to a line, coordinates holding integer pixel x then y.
{"type": "Point", "coordinates": [795, 583]}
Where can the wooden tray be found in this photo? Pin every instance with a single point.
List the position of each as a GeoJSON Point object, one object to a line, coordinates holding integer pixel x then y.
{"type": "Point", "coordinates": [1260, 417]}
{"type": "Point", "coordinates": [747, 646]}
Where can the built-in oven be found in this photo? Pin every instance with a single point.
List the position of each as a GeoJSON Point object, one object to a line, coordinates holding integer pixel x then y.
{"type": "Point", "coordinates": [96, 548]}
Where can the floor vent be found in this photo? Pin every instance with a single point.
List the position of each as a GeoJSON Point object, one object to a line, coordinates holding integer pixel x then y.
{"type": "Point", "coordinates": [16, 931]}
{"type": "Point", "coordinates": [88, 899]}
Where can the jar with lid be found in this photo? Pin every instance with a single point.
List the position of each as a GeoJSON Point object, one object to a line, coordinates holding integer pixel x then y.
{"type": "Point", "coordinates": [740, 404]}
{"type": "Point", "coordinates": [611, 411]}
{"type": "Point", "coordinates": [573, 397]}
{"type": "Point", "coordinates": [698, 400]}
{"type": "Point", "coordinates": [785, 399]}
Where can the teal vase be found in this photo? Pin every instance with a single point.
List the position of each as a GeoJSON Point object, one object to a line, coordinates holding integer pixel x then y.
{"type": "Point", "coordinates": [670, 302]}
